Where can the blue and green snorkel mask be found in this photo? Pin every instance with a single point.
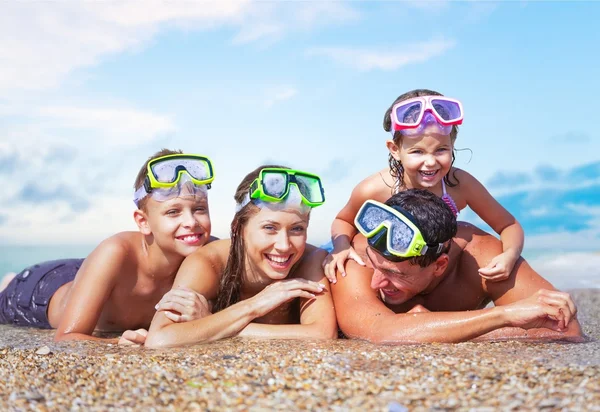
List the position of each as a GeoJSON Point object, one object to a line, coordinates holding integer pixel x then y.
{"type": "Point", "coordinates": [393, 232]}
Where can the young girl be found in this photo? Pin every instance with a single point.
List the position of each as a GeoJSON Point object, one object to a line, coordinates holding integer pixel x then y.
{"type": "Point", "coordinates": [265, 281]}
{"type": "Point", "coordinates": [423, 124]}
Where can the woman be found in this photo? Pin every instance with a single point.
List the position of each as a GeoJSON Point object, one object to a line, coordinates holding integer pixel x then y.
{"type": "Point", "coordinates": [265, 281]}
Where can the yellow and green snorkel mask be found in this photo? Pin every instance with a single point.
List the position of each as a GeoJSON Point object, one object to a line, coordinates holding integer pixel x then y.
{"type": "Point", "coordinates": [392, 232]}
{"type": "Point", "coordinates": [286, 186]}
{"type": "Point", "coordinates": [167, 176]}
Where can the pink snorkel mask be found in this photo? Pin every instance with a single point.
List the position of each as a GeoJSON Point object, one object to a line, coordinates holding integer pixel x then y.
{"type": "Point", "coordinates": [411, 117]}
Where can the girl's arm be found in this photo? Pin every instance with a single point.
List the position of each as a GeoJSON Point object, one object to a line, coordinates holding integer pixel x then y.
{"type": "Point", "coordinates": [317, 315]}
{"type": "Point", "coordinates": [498, 218]}
{"type": "Point", "coordinates": [201, 272]}
{"type": "Point", "coordinates": [343, 230]}
{"type": "Point", "coordinates": [90, 291]}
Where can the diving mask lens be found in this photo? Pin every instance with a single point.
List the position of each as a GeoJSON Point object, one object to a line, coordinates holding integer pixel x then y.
{"type": "Point", "coordinates": [392, 231]}
{"type": "Point", "coordinates": [176, 175]}
{"type": "Point", "coordinates": [169, 170]}
{"type": "Point", "coordinates": [413, 113]}
{"type": "Point", "coordinates": [373, 218]}
{"type": "Point", "coordinates": [276, 184]}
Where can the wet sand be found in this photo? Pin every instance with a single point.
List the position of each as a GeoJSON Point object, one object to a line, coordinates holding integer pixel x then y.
{"type": "Point", "coordinates": [238, 374]}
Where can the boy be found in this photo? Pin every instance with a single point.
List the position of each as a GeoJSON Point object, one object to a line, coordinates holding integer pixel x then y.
{"type": "Point", "coordinates": [118, 285]}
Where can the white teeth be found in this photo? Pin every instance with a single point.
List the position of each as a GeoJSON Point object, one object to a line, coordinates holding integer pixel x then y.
{"type": "Point", "coordinates": [190, 238]}
{"type": "Point", "coordinates": [278, 259]}
{"type": "Point", "coordinates": [428, 173]}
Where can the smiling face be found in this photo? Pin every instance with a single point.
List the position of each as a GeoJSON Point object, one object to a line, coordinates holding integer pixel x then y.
{"type": "Point", "coordinates": [399, 282]}
{"type": "Point", "coordinates": [426, 158]}
{"type": "Point", "coordinates": [180, 225]}
{"type": "Point", "coordinates": [275, 240]}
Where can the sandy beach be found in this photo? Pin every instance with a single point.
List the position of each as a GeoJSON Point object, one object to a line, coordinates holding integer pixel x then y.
{"type": "Point", "coordinates": [238, 374]}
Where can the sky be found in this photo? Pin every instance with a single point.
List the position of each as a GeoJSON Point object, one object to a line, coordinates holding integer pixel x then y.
{"type": "Point", "coordinates": [90, 90]}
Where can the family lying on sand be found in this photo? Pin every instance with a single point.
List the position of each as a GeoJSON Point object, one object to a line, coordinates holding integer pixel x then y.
{"type": "Point", "coordinates": [402, 269]}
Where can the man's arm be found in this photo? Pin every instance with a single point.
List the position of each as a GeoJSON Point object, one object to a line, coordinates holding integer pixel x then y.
{"type": "Point", "coordinates": [524, 283]}
{"type": "Point", "coordinates": [362, 315]}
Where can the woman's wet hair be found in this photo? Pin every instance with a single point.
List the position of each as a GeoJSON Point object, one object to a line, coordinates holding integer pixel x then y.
{"type": "Point", "coordinates": [433, 217]}
{"type": "Point", "coordinates": [397, 171]}
{"type": "Point", "coordinates": [230, 286]}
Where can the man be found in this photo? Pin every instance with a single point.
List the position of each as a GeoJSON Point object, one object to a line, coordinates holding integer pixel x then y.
{"type": "Point", "coordinates": [423, 283]}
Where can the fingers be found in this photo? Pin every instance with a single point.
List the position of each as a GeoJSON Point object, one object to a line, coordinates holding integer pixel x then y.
{"type": "Point", "coordinates": [329, 272]}
{"type": "Point", "coordinates": [340, 267]}
{"type": "Point", "coordinates": [175, 317]}
{"type": "Point", "coordinates": [490, 270]}
{"type": "Point", "coordinates": [175, 307]}
{"type": "Point", "coordinates": [354, 256]}
{"type": "Point", "coordinates": [130, 337]}
{"type": "Point", "coordinates": [561, 301]}
{"type": "Point", "coordinates": [328, 259]}
{"type": "Point", "coordinates": [495, 277]}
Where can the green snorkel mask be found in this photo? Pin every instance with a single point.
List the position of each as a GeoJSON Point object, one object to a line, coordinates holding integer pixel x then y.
{"type": "Point", "coordinates": [276, 185]}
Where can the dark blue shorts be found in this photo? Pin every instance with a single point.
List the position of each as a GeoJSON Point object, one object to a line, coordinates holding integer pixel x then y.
{"type": "Point", "coordinates": [25, 300]}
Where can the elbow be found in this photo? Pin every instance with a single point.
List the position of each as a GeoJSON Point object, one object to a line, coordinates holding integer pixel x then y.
{"type": "Point", "coordinates": [59, 336]}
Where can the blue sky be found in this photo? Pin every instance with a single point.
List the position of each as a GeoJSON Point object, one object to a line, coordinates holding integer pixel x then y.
{"type": "Point", "coordinates": [89, 90]}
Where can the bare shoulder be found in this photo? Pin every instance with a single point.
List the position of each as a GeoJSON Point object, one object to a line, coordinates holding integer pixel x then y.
{"type": "Point", "coordinates": [378, 186]}
{"type": "Point", "coordinates": [123, 245]}
{"type": "Point", "coordinates": [214, 254]}
{"type": "Point", "coordinates": [473, 247]}
{"type": "Point", "coordinates": [202, 270]}
{"type": "Point", "coordinates": [310, 265]}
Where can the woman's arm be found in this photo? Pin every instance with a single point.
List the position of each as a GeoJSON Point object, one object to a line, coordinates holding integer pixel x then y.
{"type": "Point", "coordinates": [201, 272]}
{"type": "Point", "coordinates": [317, 315]}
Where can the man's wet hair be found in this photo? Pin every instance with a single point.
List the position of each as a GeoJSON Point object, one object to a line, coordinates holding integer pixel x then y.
{"type": "Point", "coordinates": [432, 215]}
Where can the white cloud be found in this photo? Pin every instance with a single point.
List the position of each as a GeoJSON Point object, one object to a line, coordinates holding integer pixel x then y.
{"type": "Point", "coordinates": [118, 127]}
{"type": "Point", "coordinates": [41, 43]}
{"type": "Point", "coordinates": [269, 21]}
{"type": "Point", "coordinates": [280, 94]}
{"type": "Point", "coordinates": [569, 270]}
{"type": "Point", "coordinates": [391, 59]}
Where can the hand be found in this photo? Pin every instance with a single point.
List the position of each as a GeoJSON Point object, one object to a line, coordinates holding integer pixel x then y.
{"type": "Point", "coordinates": [133, 337]}
{"type": "Point", "coordinates": [336, 259]}
{"type": "Point", "coordinates": [183, 305]}
{"type": "Point", "coordinates": [544, 309]}
{"type": "Point", "coordinates": [277, 293]}
{"type": "Point", "coordinates": [499, 268]}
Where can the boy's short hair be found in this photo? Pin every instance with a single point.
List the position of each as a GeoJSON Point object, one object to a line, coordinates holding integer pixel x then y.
{"type": "Point", "coordinates": [139, 180]}
{"type": "Point", "coordinates": [433, 217]}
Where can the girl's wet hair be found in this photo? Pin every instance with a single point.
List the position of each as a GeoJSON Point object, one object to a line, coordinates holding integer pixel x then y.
{"type": "Point", "coordinates": [230, 286]}
{"type": "Point", "coordinates": [396, 169]}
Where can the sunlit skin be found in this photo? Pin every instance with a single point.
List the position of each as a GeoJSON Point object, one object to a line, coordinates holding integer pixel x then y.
{"type": "Point", "coordinates": [426, 158]}
{"type": "Point", "coordinates": [445, 301]}
{"type": "Point", "coordinates": [398, 282]}
{"type": "Point", "coordinates": [275, 241]}
{"type": "Point", "coordinates": [180, 225]}
{"type": "Point", "coordinates": [284, 293]}
{"type": "Point", "coordinates": [131, 270]}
